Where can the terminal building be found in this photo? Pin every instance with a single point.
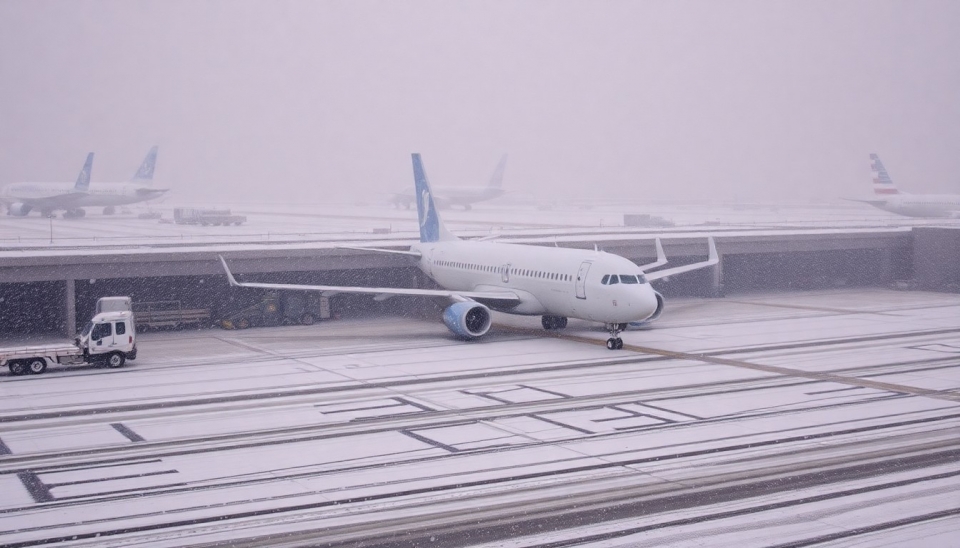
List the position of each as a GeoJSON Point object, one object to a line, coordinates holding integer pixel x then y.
{"type": "Point", "coordinates": [53, 290]}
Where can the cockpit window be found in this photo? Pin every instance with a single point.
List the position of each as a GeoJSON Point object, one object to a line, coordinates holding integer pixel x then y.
{"type": "Point", "coordinates": [605, 280]}
{"type": "Point", "coordinates": [628, 279]}
{"type": "Point", "coordinates": [614, 279]}
{"type": "Point", "coordinates": [641, 278]}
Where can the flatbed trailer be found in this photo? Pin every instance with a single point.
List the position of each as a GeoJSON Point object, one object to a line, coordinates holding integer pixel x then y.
{"type": "Point", "coordinates": [171, 314]}
{"type": "Point", "coordinates": [109, 338]}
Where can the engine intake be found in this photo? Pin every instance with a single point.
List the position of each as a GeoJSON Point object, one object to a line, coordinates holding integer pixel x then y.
{"type": "Point", "coordinates": [467, 320]}
{"type": "Point", "coordinates": [18, 209]}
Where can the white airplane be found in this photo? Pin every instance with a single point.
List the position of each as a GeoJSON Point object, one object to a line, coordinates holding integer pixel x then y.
{"type": "Point", "coordinates": [22, 198]}
{"type": "Point", "coordinates": [552, 282]}
{"type": "Point", "coordinates": [889, 198]}
{"type": "Point", "coordinates": [462, 196]}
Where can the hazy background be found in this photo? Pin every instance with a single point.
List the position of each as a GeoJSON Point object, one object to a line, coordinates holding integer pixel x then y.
{"type": "Point", "coordinates": [662, 100]}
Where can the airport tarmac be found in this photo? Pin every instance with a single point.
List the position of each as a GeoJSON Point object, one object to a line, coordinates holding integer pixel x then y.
{"type": "Point", "coordinates": [827, 418]}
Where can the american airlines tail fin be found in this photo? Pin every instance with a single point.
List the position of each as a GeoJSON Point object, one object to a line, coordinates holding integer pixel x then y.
{"type": "Point", "coordinates": [83, 180]}
{"type": "Point", "coordinates": [431, 226]}
{"type": "Point", "coordinates": [882, 183]}
{"type": "Point", "coordinates": [496, 180]}
{"type": "Point", "coordinates": [145, 173]}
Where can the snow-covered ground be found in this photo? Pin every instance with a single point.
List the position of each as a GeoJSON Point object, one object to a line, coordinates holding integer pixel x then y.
{"type": "Point", "coordinates": [780, 419]}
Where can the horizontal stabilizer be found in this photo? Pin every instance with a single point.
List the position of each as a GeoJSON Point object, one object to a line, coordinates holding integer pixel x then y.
{"type": "Point", "coordinates": [712, 259]}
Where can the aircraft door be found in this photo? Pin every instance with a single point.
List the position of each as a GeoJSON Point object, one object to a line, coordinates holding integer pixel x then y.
{"type": "Point", "coordinates": [101, 338]}
{"type": "Point", "coordinates": [582, 280]}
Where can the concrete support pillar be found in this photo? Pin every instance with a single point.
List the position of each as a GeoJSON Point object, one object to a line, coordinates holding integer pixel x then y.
{"type": "Point", "coordinates": [70, 308]}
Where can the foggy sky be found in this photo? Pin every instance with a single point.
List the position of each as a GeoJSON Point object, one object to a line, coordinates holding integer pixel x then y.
{"type": "Point", "coordinates": [661, 100]}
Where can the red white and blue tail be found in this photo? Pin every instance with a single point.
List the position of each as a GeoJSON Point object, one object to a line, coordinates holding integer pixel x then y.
{"type": "Point", "coordinates": [882, 183]}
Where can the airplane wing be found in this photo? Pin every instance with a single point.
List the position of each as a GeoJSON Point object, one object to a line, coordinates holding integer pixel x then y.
{"type": "Point", "coordinates": [380, 250]}
{"type": "Point", "coordinates": [381, 292]}
{"type": "Point", "coordinates": [711, 260]}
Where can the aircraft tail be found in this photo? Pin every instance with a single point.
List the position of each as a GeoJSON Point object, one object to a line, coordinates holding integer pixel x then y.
{"type": "Point", "coordinates": [145, 173]}
{"type": "Point", "coordinates": [496, 180]}
{"type": "Point", "coordinates": [83, 180]}
{"type": "Point", "coordinates": [431, 225]}
{"type": "Point", "coordinates": [882, 183]}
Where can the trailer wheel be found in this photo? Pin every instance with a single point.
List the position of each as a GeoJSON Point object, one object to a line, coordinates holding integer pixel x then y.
{"type": "Point", "coordinates": [36, 365]}
{"type": "Point", "coordinates": [116, 360]}
{"type": "Point", "coordinates": [307, 319]}
{"type": "Point", "coordinates": [243, 323]}
{"type": "Point", "coordinates": [17, 367]}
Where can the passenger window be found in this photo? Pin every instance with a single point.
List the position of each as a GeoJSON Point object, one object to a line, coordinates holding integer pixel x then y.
{"type": "Point", "coordinates": [120, 328]}
{"type": "Point", "coordinates": [614, 279]}
{"type": "Point", "coordinates": [628, 279]}
{"type": "Point", "coordinates": [605, 280]}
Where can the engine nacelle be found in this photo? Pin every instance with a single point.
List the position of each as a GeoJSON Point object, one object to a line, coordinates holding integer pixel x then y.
{"type": "Point", "coordinates": [467, 320]}
{"type": "Point", "coordinates": [656, 313]}
{"type": "Point", "coordinates": [18, 209]}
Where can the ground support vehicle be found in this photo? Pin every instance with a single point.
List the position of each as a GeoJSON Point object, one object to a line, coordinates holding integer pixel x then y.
{"type": "Point", "coordinates": [156, 315]}
{"type": "Point", "coordinates": [206, 217]}
{"type": "Point", "coordinates": [109, 338]}
{"type": "Point", "coordinates": [280, 308]}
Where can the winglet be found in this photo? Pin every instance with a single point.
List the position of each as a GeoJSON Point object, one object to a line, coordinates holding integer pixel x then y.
{"type": "Point", "coordinates": [233, 281]}
{"type": "Point", "coordinates": [145, 173]}
{"type": "Point", "coordinates": [661, 257]}
{"type": "Point", "coordinates": [83, 180]}
{"type": "Point", "coordinates": [712, 259]}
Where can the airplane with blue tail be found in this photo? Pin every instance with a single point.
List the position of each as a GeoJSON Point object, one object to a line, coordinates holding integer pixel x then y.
{"type": "Point", "coordinates": [22, 198]}
{"type": "Point", "coordinates": [552, 282]}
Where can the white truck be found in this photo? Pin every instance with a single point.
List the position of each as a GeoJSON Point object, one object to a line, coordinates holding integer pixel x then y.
{"type": "Point", "coordinates": [109, 338]}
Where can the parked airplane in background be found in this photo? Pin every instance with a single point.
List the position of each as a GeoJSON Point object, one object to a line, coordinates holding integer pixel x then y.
{"type": "Point", "coordinates": [22, 198]}
{"type": "Point", "coordinates": [552, 282]}
{"type": "Point", "coordinates": [460, 196]}
{"type": "Point", "coordinates": [889, 198]}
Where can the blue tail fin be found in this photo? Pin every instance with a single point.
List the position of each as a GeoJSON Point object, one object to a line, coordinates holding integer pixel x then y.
{"type": "Point", "coordinates": [431, 226]}
{"type": "Point", "coordinates": [83, 180]}
{"type": "Point", "coordinates": [145, 173]}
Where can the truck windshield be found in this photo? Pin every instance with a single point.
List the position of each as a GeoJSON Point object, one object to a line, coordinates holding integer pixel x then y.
{"type": "Point", "coordinates": [86, 329]}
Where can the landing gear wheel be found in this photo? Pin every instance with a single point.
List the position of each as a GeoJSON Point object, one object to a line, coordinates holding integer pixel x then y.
{"type": "Point", "coordinates": [615, 342]}
{"type": "Point", "coordinates": [115, 360]}
{"type": "Point", "coordinates": [17, 368]}
{"type": "Point", "coordinates": [307, 319]}
{"type": "Point", "coordinates": [36, 365]}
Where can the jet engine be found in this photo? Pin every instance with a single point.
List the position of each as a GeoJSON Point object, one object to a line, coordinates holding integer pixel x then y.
{"type": "Point", "coordinates": [656, 313]}
{"type": "Point", "coordinates": [467, 320]}
{"type": "Point", "coordinates": [18, 209]}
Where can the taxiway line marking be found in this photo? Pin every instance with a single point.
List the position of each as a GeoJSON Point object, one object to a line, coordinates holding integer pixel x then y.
{"type": "Point", "coordinates": [785, 371]}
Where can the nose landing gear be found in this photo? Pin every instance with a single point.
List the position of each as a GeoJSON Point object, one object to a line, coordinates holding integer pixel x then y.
{"type": "Point", "coordinates": [615, 342]}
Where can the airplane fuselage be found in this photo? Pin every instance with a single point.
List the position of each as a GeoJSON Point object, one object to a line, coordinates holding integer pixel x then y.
{"type": "Point", "coordinates": [99, 194]}
{"type": "Point", "coordinates": [921, 205]}
{"type": "Point", "coordinates": [549, 281]}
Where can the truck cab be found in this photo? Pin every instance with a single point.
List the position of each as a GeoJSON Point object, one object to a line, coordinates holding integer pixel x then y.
{"type": "Point", "coordinates": [109, 337]}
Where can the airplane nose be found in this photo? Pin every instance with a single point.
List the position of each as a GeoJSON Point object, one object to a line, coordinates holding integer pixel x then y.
{"type": "Point", "coordinates": [648, 301]}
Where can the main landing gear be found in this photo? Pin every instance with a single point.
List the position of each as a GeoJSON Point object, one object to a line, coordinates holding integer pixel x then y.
{"type": "Point", "coordinates": [551, 323]}
{"type": "Point", "coordinates": [615, 342]}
